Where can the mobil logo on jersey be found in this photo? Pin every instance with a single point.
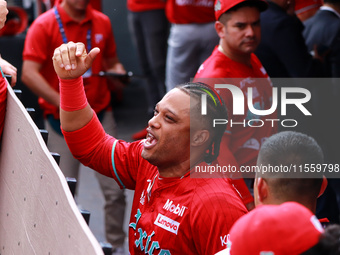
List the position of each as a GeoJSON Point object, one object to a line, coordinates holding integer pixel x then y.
{"type": "Point", "coordinates": [167, 223]}
{"type": "Point", "coordinates": [258, 102]}
{"type": "Point", "coordinates": [176, 209]}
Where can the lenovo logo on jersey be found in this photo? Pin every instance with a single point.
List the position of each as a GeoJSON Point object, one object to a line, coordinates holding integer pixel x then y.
{"type": "Point", "coordinates": [167, 223]}
{"type": "Point", "coordinates": [176, 209]}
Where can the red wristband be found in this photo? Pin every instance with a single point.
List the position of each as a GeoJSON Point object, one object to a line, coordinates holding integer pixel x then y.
{"type": "Point", "coordinates": [72, 94]}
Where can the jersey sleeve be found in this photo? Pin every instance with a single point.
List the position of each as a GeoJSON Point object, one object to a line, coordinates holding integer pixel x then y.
{"type": "Point", "coordinates": [213, 215]}
{"type": "Point", "coordinates": [36, 43]}
{"type": "Point", "coordinates": [104, 153]}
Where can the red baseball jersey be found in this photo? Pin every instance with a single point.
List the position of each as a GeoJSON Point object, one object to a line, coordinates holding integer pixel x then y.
{"type": "Point", "coordinates": [186, 12]}
{"type": "Point", "coordinates": [3, 99]}
{"type": "Point", "coordinates": [44, 37]}
{"type": "Point", "coordinates": [244, 141]}
{"type": "Point", "coordinates": [145, 5]}
{"type": "Point", "coordinates": [169, 215]}
{"type": "Point", "coordinates": [241, 143]}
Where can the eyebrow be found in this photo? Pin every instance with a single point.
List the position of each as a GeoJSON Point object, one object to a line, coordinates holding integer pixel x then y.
{"type": "Point", "coordinates": [167, 110]}
{"type": "Point", "coordinates": [173, 113]}
{"type": "Point", "coordinates": [257, 21]}
{"type": "Point", "coordinates": [240, 23]}
{"type": "Point", "coordinates": [245, 23]}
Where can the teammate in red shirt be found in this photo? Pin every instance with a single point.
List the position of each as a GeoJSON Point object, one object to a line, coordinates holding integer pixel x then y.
{"type": "Point", "coordinates": [44, 36]}
{"type": "Point", "coordinates": [288, 228]}
{"type": "Point", "coordinates": [73, 20]}
{"type": "Point", "coordinates": [238, 26]}
{"type": "Point", "coordinates": [290, 149]}
{"type": "Point", "coordinates": [171, 212]}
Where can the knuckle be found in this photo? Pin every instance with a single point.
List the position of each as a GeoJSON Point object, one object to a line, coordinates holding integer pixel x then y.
{"type": "Point", "coordinates": [63, 50]}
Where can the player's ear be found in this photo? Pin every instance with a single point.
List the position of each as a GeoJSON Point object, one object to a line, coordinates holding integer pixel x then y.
{"type": "Point", "coordinates": [323, 186]}
{"type": "Point", "coordinates": [262, 190]}
{"type": "Point", "coordinates": [219, 27]}
{"type": "Point", "coordinates": [200, 137]}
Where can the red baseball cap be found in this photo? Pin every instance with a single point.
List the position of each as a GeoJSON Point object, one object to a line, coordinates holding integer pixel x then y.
{"type": "Point", "coordinates": [289, 228]}
{"type": "Point", "coordinates": [221, 6]}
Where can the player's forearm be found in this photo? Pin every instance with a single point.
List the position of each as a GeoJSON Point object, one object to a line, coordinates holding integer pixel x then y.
{"type": "Point", "coordinates": [75, 112]}
{"type": "Point", "coordinates": [91, 146]}
{"type": "Point", "coordinates": [39, 86]}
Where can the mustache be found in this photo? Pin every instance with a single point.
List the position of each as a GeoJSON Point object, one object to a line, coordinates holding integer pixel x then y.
{"type": "Point", "coordinates": [249, 39]}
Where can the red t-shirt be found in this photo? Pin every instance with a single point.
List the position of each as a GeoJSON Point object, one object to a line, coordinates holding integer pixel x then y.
{"type": "Point", "coordinates": [3, 99]}
{"type": "Point", "coordinates": [169, 215]}
{"type": "Point", "coordinates": [44, 36]}
{"type": "Point", "coordinates": [241, 143]}
{"type": "Point", "coordinates": [244, 142]}
{"type": "Point", "coordinates": [145, 5]}
{"type": "Point", "coordinates": [187, 12]}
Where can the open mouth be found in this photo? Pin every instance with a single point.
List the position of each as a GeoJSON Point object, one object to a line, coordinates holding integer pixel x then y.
{"type": "Point", "coordinates": [150, 141]}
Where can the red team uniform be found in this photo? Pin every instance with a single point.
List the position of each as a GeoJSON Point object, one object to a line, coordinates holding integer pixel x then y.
{"type": "Point", "coordinates": [241, 143]}
{"type": "Point", "coordinates": [169, 215]}
{"type": "Point", "coordinates": [44, 36]}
